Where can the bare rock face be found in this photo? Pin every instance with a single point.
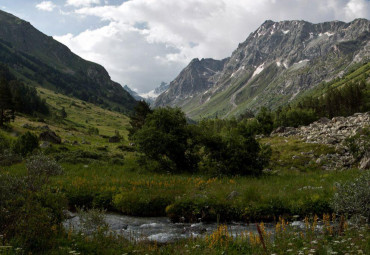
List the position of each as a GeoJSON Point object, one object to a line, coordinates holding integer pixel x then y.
{"type": "Point", "coordinates": [334, 133]}
{"type": "Point", "coordinates": [271, 67]}
{"type": "Point", "coordinates": [198, 77]}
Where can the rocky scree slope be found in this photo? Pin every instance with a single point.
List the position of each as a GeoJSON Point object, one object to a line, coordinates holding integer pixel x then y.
{"type": "Point", "coordinates": [40, 60]}
{"type": "Point", "coordinates": [270, 68]}
{"type": "Point", "coordinates": [335, 132]}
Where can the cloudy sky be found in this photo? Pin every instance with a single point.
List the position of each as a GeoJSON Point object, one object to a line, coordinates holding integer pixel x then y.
{"type": "Point", "coordinates": [144, 42]}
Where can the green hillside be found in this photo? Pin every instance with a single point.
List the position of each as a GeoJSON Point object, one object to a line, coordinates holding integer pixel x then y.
{"type": "Point", "coordinates": [39, 60]}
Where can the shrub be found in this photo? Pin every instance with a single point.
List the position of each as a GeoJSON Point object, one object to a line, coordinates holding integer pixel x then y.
{"type": "Point", "coordinates": [353, 198]}
{"type": "Point", "coordinates": [359, 144]}
{"type": "Point", "coordinates": [4, 143]}
{"type": "Point", "coordinates": [26, 144]}
{"type": "Point", "coordinates": [8, 158]}
{"type": "Point", "coordinates": [40, 168]}
{"type": "Point", "coordinates": [135, 203]}
{"type": "Point", "coordinates": [164, 138]}
{"type": "Point", "coordinates": [93, 131]}
{"type": "Point", "coordinates": [78, 156]}
{"type": "Point", "coordinates": [29, 218]}
{"type": "Point", "coordinates": [92, 221]}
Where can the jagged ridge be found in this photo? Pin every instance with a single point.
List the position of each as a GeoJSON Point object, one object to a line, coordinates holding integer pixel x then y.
{"type": "Point", "coordinates": [271, 67]}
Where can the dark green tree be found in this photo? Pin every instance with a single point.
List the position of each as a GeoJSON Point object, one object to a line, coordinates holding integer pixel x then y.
{"type": "Point", "coordinates": [6, 103]}
{"type": "Point", "coordinates": [237, 153]}
{"type": "Point", "coordinates": [63, 113]}
{"type": "Point", "coordinates": [137, 120]}
{"type": "Point", "coordinates": [26, 144]}
{"type": "Point", "coordinates": [264, 117]}
{"type": "Point", "coordinates": [164, 138]}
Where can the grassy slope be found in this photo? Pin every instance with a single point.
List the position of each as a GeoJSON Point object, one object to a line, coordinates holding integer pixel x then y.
{"type": "Point", "coordinates": [354, 75]}
{"type": "Point", "coordinates": [219, 105]}
{"type": "Point", "coordinates": [80, 117]}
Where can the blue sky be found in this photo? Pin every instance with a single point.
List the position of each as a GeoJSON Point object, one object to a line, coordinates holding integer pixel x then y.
{"type": "Point", "coordinates": [144, 42]}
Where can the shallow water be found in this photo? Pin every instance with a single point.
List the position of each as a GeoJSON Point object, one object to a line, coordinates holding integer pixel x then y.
{"type": "Point", "coordinates": [161, 229]}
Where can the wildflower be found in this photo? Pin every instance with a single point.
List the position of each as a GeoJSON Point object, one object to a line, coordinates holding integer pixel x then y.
{"type": "Point", "coordinates": [313, 250]}
{"type": "Point", "coordinates": [290, 244]}
{"type": "Point", "coordinates": [289, 250]}
{"type": "Point", "coordinates": [314, 242]}
{"type": "Point", "coordinates": [360, 252]}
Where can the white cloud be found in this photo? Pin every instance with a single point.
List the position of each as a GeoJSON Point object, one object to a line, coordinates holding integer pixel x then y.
{"type": "Point", "coordinates": [357, 9]}
{"type": "Point", "coordinates": [46, 6]}
{"type": "Point", "coordinates": [146, 42]}
{"type": "Point", "coordinates": [79, 3]}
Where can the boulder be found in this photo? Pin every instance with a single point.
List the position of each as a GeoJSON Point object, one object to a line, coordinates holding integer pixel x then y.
{"type": "Point", "coordinates": [365, 162]}
{"type": "Point", "coordinates": [50, 136]}
{"type": "Point", "coordinates": [278, 130]}
{"type": "Point", "coordinates": [114, 139]}
{"type": "Point", "coordinates": [323, 120]}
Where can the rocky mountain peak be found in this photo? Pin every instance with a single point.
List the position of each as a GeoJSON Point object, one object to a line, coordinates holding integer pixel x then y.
{"type": "Point", "coordinates": [276, 62]}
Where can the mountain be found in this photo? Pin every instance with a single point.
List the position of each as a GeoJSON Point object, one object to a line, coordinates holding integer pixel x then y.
{"type": "Point", "coordinates": [152, 95]}
{"type": "Point", "coordinates": [38, 59]}
{"type": "Point", "coordinates": [134, 94]}
{"type": "Point", "coordinates": [276, 63]}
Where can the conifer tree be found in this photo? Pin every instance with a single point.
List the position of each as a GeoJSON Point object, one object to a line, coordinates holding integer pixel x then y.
{"type": "Point", "coordinates": [6, 104]}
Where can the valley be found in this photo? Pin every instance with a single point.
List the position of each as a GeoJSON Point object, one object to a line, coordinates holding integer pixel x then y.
{"type": "Point", "coordinates": [263, 152]}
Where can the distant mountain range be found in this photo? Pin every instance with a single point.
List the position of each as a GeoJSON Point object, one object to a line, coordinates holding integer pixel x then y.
{"type": "Point", "coordinates": [150, 96]}
{"type": "Point", "coordinates": [274, 65]}
{"type": "Point", "coordinates": [40, 60]}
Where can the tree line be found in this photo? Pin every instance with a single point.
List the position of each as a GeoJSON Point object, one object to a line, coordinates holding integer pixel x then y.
{"type": "Point", "coordinates": [17, 97]}
{"type": "Point", "coordinates": [350, 98]}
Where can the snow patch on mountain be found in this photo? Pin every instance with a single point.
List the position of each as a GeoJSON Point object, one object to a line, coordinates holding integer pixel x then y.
{"type": "Point", "coordinates": [258, 70]}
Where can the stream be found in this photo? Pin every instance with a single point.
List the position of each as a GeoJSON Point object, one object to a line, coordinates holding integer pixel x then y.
{"type": "Point", "coordinates": [161, 229]}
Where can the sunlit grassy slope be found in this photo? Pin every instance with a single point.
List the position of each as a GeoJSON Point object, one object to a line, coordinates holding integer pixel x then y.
{"type": "Point", "coordinates": [81, 117]}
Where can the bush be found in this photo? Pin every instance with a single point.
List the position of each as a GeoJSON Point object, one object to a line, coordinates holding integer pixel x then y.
{"type": "Point", "coordinates": [26, 144]}
{"type": "Point", "coordinates": [359, 144]}
{"type": "Point", "coordinates": [31, 212]}
{"type": "Point", "coordinates": [78, 156]}
{"type": "Point", "coordinates": [8, 158]}
{"type": "Point", "coordinates": [134, 203]}
{"type": "Point", "coordinates": [40, 168]}
{"type": "Point", "coordinates": [4, 143]}
{"type": "Point", "coordinates": [353, 198]}
{"type": "Point", "coordinates": [236, 154]}
{"type": "Point", "coordinates": [92, 221]}
{"type": "Point", "coordinates": [164, 138]}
